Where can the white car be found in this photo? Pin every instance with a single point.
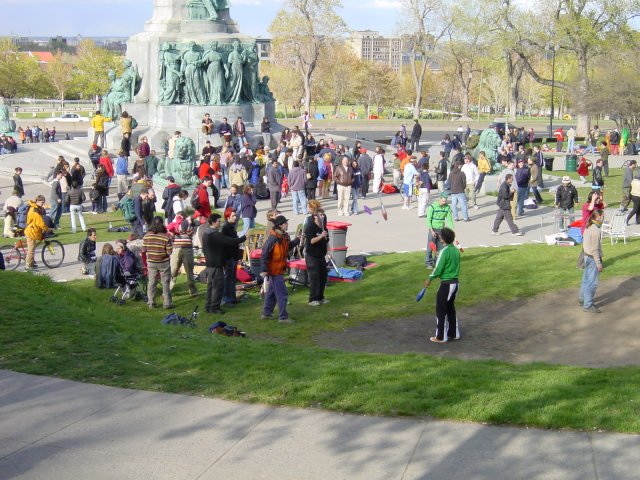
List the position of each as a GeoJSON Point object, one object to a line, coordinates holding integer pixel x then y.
{"type": "Point", "coordinates": [67, 118]}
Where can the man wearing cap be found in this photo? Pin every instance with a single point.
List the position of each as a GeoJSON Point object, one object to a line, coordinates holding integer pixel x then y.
{"type": "Point", "coordinates": [566, 198]}
{"type": "Point", "coordinates": [275, 251]}
{"type": "Point", "coordinates": [438, 215]}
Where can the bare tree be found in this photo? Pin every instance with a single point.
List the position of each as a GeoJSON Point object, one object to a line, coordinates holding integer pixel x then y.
{"type": "Point", "coordinates": [426, 26]}
{"type": "Point", "coordinates": [300, 29]}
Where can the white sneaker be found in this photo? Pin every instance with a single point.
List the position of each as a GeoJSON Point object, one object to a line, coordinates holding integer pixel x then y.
{"type": "Point", "coordinates": [517, 234]}
{"type": "Point", "coordinates": [315, 303]}
{"type": "Point", "coordinates": [324, 301]}
{"type": "Point", "coordinates": [495, 234]}
{"type": "Point", "coordinates": [476, 207]}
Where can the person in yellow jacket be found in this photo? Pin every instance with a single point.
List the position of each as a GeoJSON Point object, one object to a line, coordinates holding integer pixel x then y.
{"type": "Point", "coordinates": [35, 229]}
{"type": "Point", "coordinates": [484, 169]}
{"type": "Point", "coordinates": [97, 123]}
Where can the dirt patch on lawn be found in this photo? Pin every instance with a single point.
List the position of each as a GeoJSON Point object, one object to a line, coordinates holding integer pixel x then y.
{"type": "Point", "coordinates": [550, 328]}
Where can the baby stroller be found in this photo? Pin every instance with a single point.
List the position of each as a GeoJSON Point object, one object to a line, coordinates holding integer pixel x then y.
{"type": "Point", "coordinates": [127, 288]}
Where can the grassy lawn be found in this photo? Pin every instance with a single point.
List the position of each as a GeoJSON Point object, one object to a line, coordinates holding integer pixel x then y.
{"type": "Point", "coordinates": [71, 330]}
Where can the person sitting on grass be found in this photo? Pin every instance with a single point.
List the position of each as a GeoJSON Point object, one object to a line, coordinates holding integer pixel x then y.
{"type": "Point", "coordinates": [108, 268]}
{"type": "Point", "coordinates": [87, 253]}
{"type": "Point", "coordinates": [448, 270]}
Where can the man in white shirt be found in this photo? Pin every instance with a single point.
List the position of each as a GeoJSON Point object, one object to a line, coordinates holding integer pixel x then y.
{"type": "Point", "coordinates": [378, 169]}
{"type": "Point", "coordinates": [471, 175]}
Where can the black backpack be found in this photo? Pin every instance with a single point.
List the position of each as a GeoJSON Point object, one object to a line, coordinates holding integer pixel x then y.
{"type": "Point", "coordinates": [195, 199]}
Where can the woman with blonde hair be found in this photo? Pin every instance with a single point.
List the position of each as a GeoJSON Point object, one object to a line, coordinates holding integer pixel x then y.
{"type": "Point", "coordinates": [316, 238]}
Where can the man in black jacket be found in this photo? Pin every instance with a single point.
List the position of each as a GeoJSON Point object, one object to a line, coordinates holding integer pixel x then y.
{"type": "Point", "coordinates": [416, 133]}
{"type": "Point", "coordinates": [87, 253]}
{"type": "Point", "coordinates": [366, 168]}
{"type": "Point", "coordinates": [505, 196]}
{"type": "Point", "coordinates": [215, 254]}
{"type": "Point", "coordinates": [566, 198]}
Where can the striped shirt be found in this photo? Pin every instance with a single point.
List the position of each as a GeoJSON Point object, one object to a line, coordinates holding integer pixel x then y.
{"type": "Point", "coordinates": [157, 246]}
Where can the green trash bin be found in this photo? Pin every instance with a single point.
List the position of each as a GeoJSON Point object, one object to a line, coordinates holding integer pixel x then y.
{"type": "Point", "coordinates": [571, 163]}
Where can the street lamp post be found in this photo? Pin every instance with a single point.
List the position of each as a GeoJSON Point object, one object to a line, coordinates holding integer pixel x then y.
{"type": "Point", "coordinates": [553, 49]}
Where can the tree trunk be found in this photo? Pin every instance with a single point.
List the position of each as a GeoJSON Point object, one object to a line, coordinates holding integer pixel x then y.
{"type": "Point", "coordinates": [307, 91]}
{"type": "Point", "coordinates": [584, 122]}
{"type": "Point", "coordinates": [418, 82]}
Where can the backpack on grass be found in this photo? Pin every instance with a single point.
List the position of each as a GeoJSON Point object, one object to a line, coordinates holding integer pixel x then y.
{"type": "Point", "coordinates": [128, 209]}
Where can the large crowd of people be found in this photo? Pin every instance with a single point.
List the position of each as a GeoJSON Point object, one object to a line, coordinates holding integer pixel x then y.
{"type": "Point", "coordinates": [308, 170]}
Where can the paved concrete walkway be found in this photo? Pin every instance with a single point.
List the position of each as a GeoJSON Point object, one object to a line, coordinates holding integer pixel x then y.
{"type": "Point", "coordinates": [57, 429]}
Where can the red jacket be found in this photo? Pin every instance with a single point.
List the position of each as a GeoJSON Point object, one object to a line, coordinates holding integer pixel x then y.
{"type": "Point", "coordinates": [205, 207]}
{"type": "Point", "coordinates": [107, 164]}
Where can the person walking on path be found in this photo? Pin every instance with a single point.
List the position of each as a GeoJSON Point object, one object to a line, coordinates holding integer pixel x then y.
{"type": "Point", "coordinates": [344, 178]}
{"type": "Point", "coordinates": [533, 180]}
{"type": "Point", "coordinates": [416, 133]}
{"type": "Point", "coordinates": [505, 197]}
{"type": "Point", "coordinates": [458, 184]}
{"type": "Point", "coordinates": [472, 176]}
{"type": "Point", "coordinates": [274, 263]}
{"type": "Point", "coordinates": [448, 270]}
{"type": "Point", "coordinates": [592, 250]}
{"type": "Point", "coordinates": [297, 186]}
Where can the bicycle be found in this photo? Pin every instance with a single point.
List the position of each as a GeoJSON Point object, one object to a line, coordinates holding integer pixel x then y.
{"type": "Point", "coordinates": [52, 253]}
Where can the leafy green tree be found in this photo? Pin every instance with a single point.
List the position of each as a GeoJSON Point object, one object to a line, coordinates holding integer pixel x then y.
{"type": "Point", "coordinates": [59, 74]}
{"type": "Point", "coordinates": [284, 83]}
{"type": "Point", "coordinates": [337, 74]}
{"type": "Point", "coordinates": [20, 74]}
{"type": "Point", "coordinates": [90, 72]}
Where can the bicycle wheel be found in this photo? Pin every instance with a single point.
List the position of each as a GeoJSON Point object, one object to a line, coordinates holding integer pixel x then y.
{"type": "Point", "coordinates": [52, 253]}
{"type": "Point", "coordinates": [12, 257]}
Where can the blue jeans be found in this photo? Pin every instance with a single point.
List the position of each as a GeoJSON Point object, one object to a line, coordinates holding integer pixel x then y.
{"type": "Point", "coordinates": [590, 279]}
{"type": "Point", "coordinates": [224, 177]}
{"type": "Point", "coordinates": [55, 213]}
{"type": "Point", "coordinates": [276, 293]}
{"type": "Point", "coordinates": [572, 145]}
{"type": "Point", "coordinates": [354, 200]}
{"type": "Point", "coordinates": [523, 194]}
{"type": "Point", "coordinates": [247, 223]}
{"type": "Point", "coordinates": [299, 196]}
{"type": "Point", "coordinates": [459, 198]}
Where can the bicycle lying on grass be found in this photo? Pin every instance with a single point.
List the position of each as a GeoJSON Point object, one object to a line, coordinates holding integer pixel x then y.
{"type": "Point", "coordinates": [52, 253]}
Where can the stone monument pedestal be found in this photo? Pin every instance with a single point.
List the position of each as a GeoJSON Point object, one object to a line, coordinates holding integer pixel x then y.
{"type": "Point", "coordinates": [161, 56]}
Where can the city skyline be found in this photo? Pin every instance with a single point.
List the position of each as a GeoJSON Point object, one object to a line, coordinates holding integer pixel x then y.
{"type": "Point", "coordinates": [74, 17]}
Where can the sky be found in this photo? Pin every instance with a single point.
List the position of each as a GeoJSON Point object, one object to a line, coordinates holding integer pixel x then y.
{"type": "Point", "coordinates": [105, 18]}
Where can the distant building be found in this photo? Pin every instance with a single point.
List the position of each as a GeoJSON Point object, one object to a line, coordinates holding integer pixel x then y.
{"type": "Point", "coordinates": [264, 49]}
{"type": "Point", "coordinates": [370, 45]}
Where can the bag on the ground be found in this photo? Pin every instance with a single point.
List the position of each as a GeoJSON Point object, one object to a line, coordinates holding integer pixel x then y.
{"type": "Point", "coordinates": [222, 328]}
{"type": "Point", "coordinates": [195, 200]}
{"type": "Point", "coordinates": [174, 319]}
{"type": "Point", "coordinates": [128, 209]}
{"type": "Point", "coordinates": [358, 261]}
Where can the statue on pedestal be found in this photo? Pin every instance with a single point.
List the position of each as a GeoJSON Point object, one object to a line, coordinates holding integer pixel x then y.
{"type": "Point", "coordinates": [180, 167]}
{"type": "Point", "coordinates": [193, 75]}
{"type": "Point", "coordinates": [250, 77]}
{"type": "Point", "coordinates": [206, 9]}
{"type": "Point", "coordinates": [122, 90]}
{"type": "Point", "coordinates": [264, 94]}
{"type": "Point", "coordinates": [169, 75]}
{"type": "Point", "coordinates": [236, 60]}
{"type": "Point", "coordinates": [489, 143]}
{"type": "Point", "coordinates": [217, 71]}
{"type": "Point", "coordinates": [6, 124]}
